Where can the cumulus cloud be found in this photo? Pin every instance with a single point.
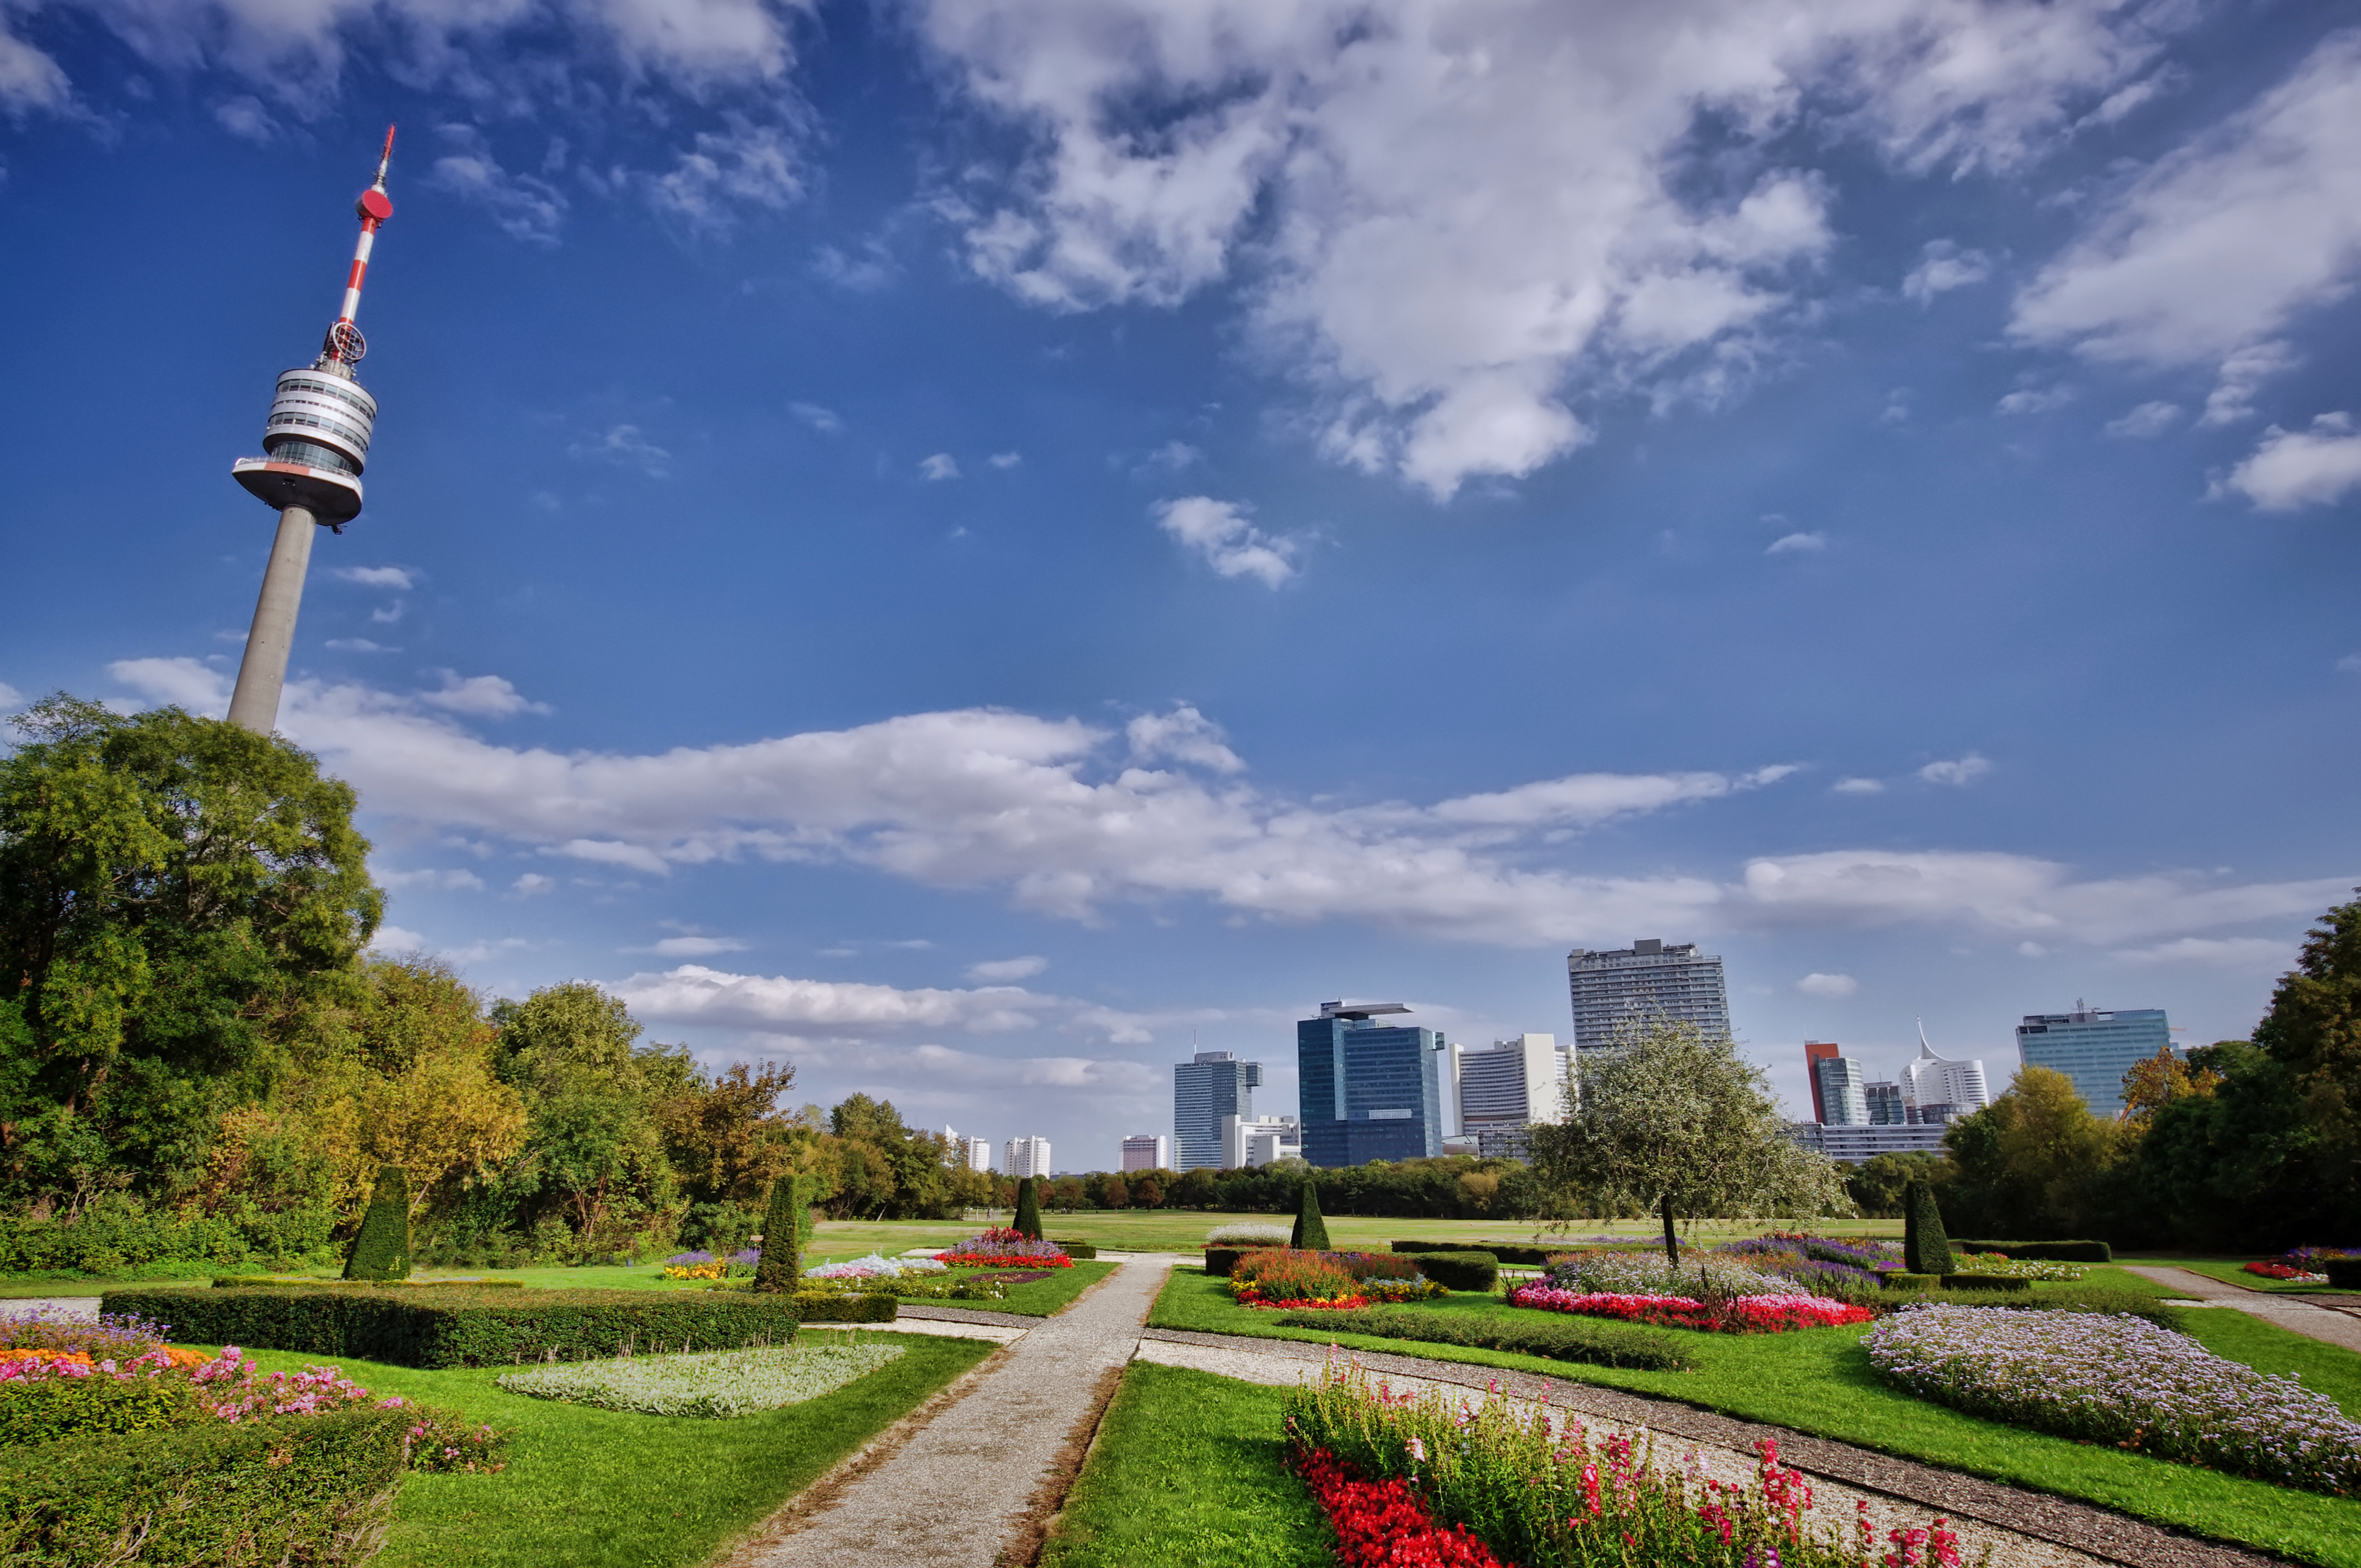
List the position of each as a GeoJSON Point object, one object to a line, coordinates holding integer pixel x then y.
{"type": "Point", "coordinates": [1219, 531]}
{"type": "Point", "coordinates": [1829, 985]}
{"type": "Point", "coordinates": [481, 696]}
{"type": "Point", "coordinates": [999, 970]}
{"type": "Point", "coordinates": [11, 698]}
{"type": "Point", "coordinates": [747, 164]}
{"type": "Point", "coordinates": [245, 118]}
{"type": "Point", "coordinates": [1942, 267]}
{"type": "Point", "coordinates": [1184, 735]}
{"type": "Point", "coordinates": [2035, 399]}
{"type": "Point", "coordinates": [523, 206]}
{"type": "Point", "coordinates": [1005, 459]}
{"type": "Point", "coordinates": [2146, 421]}
{"type": "Point", "coordinates": [1809, 543]}
{"type": "Point", "coordinates": [29, 80]}
{"type": "Point", "coordinates": [1958, 771]}
{"type": "Point", "coordinates": [2260, 955]}
{"type": "Point", "coordinates": [359, 645]}
{"type": "Point", "coordinates": [459, 881]}
{"type": "Point", "coordinates": [532, 884]}
{"type": "Point", "coordinates": [692, 947]}
{"type": "Point", "coordinates": [2218, 249]}
{"type": "Point", "coordinates": [394, 939]}
{"type": "Point", "coordinates": [1859, 786]}
{"type": "Point", "coordinates": [2300, 469]}
{"type": "Point", "coordinates": [941, 466]}
{"type": "Point", "coordinates": [401, 578]}
{"type": "Point", "coordinates": [176, 683]}
{"type": "Point", "coordinates": [1457, 218]}
{"type": "Point", "coordinates": [825, 421]}
{"type": "Point", "coordinates": [695, 994]}
{"type": "Point", "coordinates": [628, 445]}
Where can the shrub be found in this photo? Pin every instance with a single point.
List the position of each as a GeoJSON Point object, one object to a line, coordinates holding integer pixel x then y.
{"type": "Point", "coordinates": [288, 1489]}
{"type": "Point", "coordinates": [1508, 1253]}
{"type": "Point", "coordinates": [2044, 1252]}
{"type": "Point", "coordinates": [1554, 1339]}
{"type": "Point", "coordinates": [1220, 1260]}
{"type": "Point", "coordinates": [126, 1238]}
{"type": "Point", "coordinates": [1994, 1266]}
{"type": "Point", "coordinates": [1076, 1249]}
{"type": "Point", "coordinates": [2103, 1299]}
{"type": "Point", "coordinates": [1272, 1277]}
{"type": "Point", "coordinates": [1985, 1282]}
{"type": "Point", "coordinates": [1028, 1211]}
{"type": "Point", "coordinates": [717, 1385]}
{"type": "Point", "coordinates": [2118, 1381]}
{"type": "Point", "coordinates": [381, 1248]}
{"type": "Point", "coordinates": [251, 1281]}
{"type": "Point", "coordinates": [1649, 1274]}
{"type": "Point", "coordinates": [782, 1258]}
{"type": "Point", "coordinates": [1462, 1271]}
{"type": "Point", "coordinates": [1925, 1249]}
{"type": "Point", "coordinates": [836, 1306]}
{"type": "Point", "coordinates": [1310, 1231]}
{"type": "Point", "coordinates": [2342, 1272]}
{"type": "Point", "coordinates": [119, 1337]}
{"type": "Point", "coordinates": [433, 1326]}
{"type": "Point", "coordinates": [43, 1408]}
{"type": "Point", "coordinates": [1251, 1234]}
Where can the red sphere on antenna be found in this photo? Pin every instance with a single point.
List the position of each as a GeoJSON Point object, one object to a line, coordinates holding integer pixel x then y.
{"type": "Point", "coordinates": [374, 204]}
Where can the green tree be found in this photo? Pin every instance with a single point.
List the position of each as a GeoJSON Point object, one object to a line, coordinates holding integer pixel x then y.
{"type": "Point", "coordinates": [381, 1249]}
{"type": "Point", "coordinates": [1674, 1121]}
{"type": "Point", "coordinates": [1027, 1222]}
{"type": "Point", "coordinates": [1925, 1245]}
{"type": "Point", "coordinates": [2035, 1164]}
{"type": "Point", "coordinates": [2314, 1032]}
{"type": "Point", "coordinates": [1310, 1230]}
{"type": "Point", "coordinates": [1875, 1185]}
{"type": "Point", "coordinates": [781, 1265]}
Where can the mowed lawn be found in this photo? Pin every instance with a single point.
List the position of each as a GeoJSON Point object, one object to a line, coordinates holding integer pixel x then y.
{"type": "Point", "coordinates": [1819, 1381]}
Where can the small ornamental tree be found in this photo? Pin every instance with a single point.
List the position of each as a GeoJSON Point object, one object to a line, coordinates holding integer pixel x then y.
{"type": "Point", "coordinates": [781, 1263]}
{"type": "Point", "coordinates": [1925, 1247]}
{"type": "Point", "coordinates": [381, 1249]}
{"type": "Point", "coordinates": [1310, 1233]}
{"type": "Point", "coordinates": [1028, 1211]}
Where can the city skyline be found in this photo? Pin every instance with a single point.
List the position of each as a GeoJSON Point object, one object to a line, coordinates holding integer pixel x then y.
{"type": "Point", "coordinates": [875, 596]}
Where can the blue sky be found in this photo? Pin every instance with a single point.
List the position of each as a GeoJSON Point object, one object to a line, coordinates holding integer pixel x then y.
{"type": "Point", "coordinates": [967, 546]}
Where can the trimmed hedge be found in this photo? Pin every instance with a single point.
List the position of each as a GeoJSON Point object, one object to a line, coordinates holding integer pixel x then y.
{"type": "Point", "coordinates": [838, 1306]}
{"type": "Point", "coordinates": [1554, 1339]}
{"type": "Point", "coordinates": [2344, 1272]}
{"type": "Point", "coordinates": [47, 1408]}
{"type": "Point", "coordinates": [247, 1282]}
{"type": "Point", "coordinates": [1902, 1279]}
{"type": "Point", "coordinates": [1311, 1232]}
{"type": "Point", "coordinates": [1027, 1222]}
{"type": "Point", "coordinates": [1220, 1260]}
{"type": "Point", "coordinates": [1520, 1256]}
{"type": "Point", "coordinates": [1925, 1248]}
{"type": "Point", "coordinates": [1984, 1282]}
{"type": "Point", "coordinates": [1078, 1250]}
{"type": "Point", "coordinates": [780, 1262]}
{"type": "Point", "coordinates": [308, 1489]}
{"type": "Point", "coordinates": [432, 1326]}
{"type": "Point", "coordinates": [2043, 1252]}
{"type": "Point", "coordinates": [381, 1249]}
{"type": "Point", "coordinates": [1461, 1270]}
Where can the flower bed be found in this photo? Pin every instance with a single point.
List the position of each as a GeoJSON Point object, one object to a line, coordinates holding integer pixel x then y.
{"type": "Point", "coordinates": [1382, 1524]}
{"type": "Point", "coordinates": [717, 1385]}
{"type": "Point", "coordinates": [1996, 1265]}
{"type": "Point", "coordinates": [2286, 1272]}
{"type": "Point", "coordinates": [1648, 1273]}
{"type": "Point", "coordinates": [702, 1265]}
{"type": "Point", "coordinates": [1250, 1233]}
{"type": "Point", "coordinates": [1278, 1278]}
{"type": "Point", "coordinates": [2121, 1381]}
{"type": "Point", "coordinates": [1729, 1315]}
{"type": "Point", "coordinates": [999, 1247]}
{"type": "Point", "coordinates": [1531, 1488]}
{"type": "Point", "coordinates": [875, 1267]}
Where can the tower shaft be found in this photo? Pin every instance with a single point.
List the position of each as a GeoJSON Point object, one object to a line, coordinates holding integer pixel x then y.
{"type": "Point", "coordinates": [263, 671]}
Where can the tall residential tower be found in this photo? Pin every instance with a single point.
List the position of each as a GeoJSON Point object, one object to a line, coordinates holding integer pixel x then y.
{"type": "Point", "coordinates": [1647, 980]}
{"type": "Point", "coordinates": [1213, 1086]}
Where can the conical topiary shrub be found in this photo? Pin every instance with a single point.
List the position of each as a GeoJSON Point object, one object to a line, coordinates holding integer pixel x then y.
{"type": "Point", "coordinates": [1028, 1211]}
{"type": "Point", "coordinates": [1311, 1232]}
{"type": "Point", "coordinates": [781, 1263]}
{"type": "Point", "coordinates": [1925, 1249]}
{"type": "Point", "coordinates": [381, 1250]}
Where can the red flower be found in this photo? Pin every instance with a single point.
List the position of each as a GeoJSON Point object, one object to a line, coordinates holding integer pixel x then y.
{"type": "Point", "coordinates": [1382, 1524]}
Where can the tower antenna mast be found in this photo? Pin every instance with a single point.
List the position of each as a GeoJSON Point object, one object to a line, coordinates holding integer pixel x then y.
{"type": "Point", "coordinates": [315, 444]}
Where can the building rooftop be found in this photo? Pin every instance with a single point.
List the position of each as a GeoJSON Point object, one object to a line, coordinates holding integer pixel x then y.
{"type": "Point", "coordinates": [1359, 1009]}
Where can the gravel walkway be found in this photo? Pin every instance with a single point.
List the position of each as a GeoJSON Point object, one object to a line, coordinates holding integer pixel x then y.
{"type": "Point", "coordinates": [2297, 1313]}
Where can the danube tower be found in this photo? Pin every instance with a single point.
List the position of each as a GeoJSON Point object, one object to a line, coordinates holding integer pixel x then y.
{"type": "Point", "coordinates": [315, 444]}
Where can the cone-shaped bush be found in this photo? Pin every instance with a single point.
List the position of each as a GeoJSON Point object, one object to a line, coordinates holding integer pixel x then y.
{"type": "Point", "coordinates": [381, 1250]}
{"type": "Point", "coordinates": [1028, 1211]}
{"type": "Point", "coordinates": [1311, 1232]}
{"type": "Point", "coordinates": [1925, 1247]}
{"type": "Point", "coordinates": [781, 1263]}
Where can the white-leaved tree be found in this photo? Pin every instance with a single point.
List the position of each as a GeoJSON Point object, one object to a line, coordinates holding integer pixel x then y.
{"type": "Point", "coordinates": [1670, 1121]}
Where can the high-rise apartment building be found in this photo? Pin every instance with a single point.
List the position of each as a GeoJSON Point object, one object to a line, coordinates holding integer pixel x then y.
{"type": "Point", "coordinates": [2093, 1048]}
{"type": "Point", "coordinates": [1147, 1151]}
{"type": "Point", "coordinates": [1887, 1108]}
{"type": "Point", "coordinates": [975, 1153]}
{"type": "Point", "coordinates": [1215, 1085]}
{"type": "Point", "coordinates": [1370, 1090]}
{"type": "Point", "coordinates": [1501, 1091]}
{"type": "Point", "coordinates": [1939, 1090]}
{"type": "Point", "coordinates": [1646, 979]}
{"type": "Point", "coordinates": [1815, 1053]}
{"type": "Point", "coordinates": [1021, 1158]}
{"type": "Point", "coordinates": [1258, 1140]}
{"type": "Point", "coordinates": [1840, 1090]}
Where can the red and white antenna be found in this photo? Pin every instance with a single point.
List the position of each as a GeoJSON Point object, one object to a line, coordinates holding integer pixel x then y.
{"type": "Point", "coordinates": [345, 344]}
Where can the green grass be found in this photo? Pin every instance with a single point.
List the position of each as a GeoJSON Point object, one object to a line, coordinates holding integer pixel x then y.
{"type": "Point", "coordinates": [1819, 1381]}
{"type": "Point", "coordinates": [2242, 1337]}
{"type": "Point", "coordinates": [2230, 1271]}
{"type": "Point", "coordinates": [1044, 1298]}
{"type": "Point", "coordinates": [1189, 1468]}
{"type": "Point", "coordinates": [595, 1488]}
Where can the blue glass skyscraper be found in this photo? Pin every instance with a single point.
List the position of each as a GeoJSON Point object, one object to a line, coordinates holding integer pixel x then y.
{"type": "Point", "coordinates": [1370, 1090]}
{"type": "Point", "coordinates": [2094, 1048]}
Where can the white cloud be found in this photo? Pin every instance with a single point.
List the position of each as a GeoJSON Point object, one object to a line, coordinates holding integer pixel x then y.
{"type": "Point", "coordinates": [1000, 970]}
{"type": "Point", "coordinates": [29, 80]}
{"type": "Point", "coordinates": [1960, 771]}
{"type": "Point", "coordinates": [433, 880]}
{"type": "Point", "coordinates": [2241, 378]}
{"type": "Point", "coordinates": [1832, 986]}
{"type": "Point", "coordinates": [1005, 459]}
{"type": "Point", "coordinates": [2146, 421]}
{"type": "Point", "coordinates": [392, 939]}
{"type": "Point", "coordinates": [523, 206]}
{"type": "Point", "coordinates": [1456, 219]}
{"type": "Point", "coordinates": [2035, 399]}
{"type": "Point", "coordinates": [692, 947]}
{"type": "Point", "coordinates": [695, 994]}
{"type": "Point", "coordinates": [2031, 950]}
{"type": "Point", "coordinates": [2221, 247]}
{"type": "Point", "coordinates": [825, 421]}
{"type": "Point", "coordinates": [11, 698]}
{"type": "Point", "coordinates": [1942, 267]}
{"type": "Point", "coordinates": [628, 445]}
{"type": "Point", "coordinates": [747, 165]}
{"type": "Point", "coordinates": [532, 884]}
{"type": "Point", "coordinates": [1175, 456]}
{"type": "Point", "coordinates": [481, 696]}
{"type": "Point", "coordinates": [1859, 786]}
{"type": "Point", "coordinates": [1184, 735]}
{"type": "Point", "coordinates": [1791, 544]}
{"type": "Point", "coordinates": [2260, 955]}
{"type": "Point", "coordinates": [359, 645]}
{"type": "Point", "coordinates": [1220, 532]}
{"type": "Point", "coordinates": [866, 273]}
{"type": "Point", "coordinates": [176, 683]}
{"type": "Point", "coordinates": [245, 118]}
{"type": "Point", "coordinates": [2348, 665]}
{"type": "Point", "coordinates": [941, 466]}
{"type": "Point", "coordinates": [2300, 469]}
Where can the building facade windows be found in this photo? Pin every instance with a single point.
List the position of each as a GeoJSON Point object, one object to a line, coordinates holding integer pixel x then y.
{"type": "Point", "coordinates": [1147, 1151]}
{"type": "Point", "coordinates": [1622, 986]}
{"type": "Point", "coordinates": [1025, 1156]}
{"type": "Point", "coordinates": [1370, 1090]}
{"type": "Point", "coordinates": [1214, 1085]}
{"type": "Point", "coordinates": [2094, 1048]}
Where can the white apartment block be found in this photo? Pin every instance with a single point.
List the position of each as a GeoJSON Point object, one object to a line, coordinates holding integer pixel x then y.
{"type": "Point", "coordinates": [1021, 1158]}
{"type": "Point", "coordinates": [1646, 979]}
{"type": "Point", "coordinates": [1259, 1140]}
{"type": "Point", "coordinates": [1502, 1091]}
{"type": "Point", "coordinates": [1146, 1151]}
{"type": "Point", "coordinates": [970, 1154]}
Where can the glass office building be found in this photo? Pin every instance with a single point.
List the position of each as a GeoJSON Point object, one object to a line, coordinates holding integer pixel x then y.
{"type": "Point", "coordinates": [1842, 1092]}
{"type": "Point", "coordinates": [2094, 1048]}
{"type": "Point", "coordinates": [1214, 1085]}
{"type": "Point", "coordinates": [1370, 1090]}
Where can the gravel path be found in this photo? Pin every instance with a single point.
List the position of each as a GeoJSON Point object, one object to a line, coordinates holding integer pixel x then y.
{"type": "Point", "coordinates": [2293, 1312]}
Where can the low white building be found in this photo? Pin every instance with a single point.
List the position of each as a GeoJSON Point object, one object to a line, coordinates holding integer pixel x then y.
{"type": "Point", "coordinates": [1146, 1151]}
{"type": "Point", "coordinates": [1501, 1091]}
{"type": "Point", "coordinates": [1259, 1140]}
{"type": "Point", "coordinates": [1021, 1158]}
{"type": "Point", "coordinates": [1854, 1145]}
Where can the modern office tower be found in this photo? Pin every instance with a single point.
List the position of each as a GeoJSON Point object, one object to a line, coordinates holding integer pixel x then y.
{"type": "Point", "coordinates": [1258, 1140]}
{"type": "Point", "coordinates": [2094, 1048]}
{"type": "Point", "coordinates": [1887, 1108]}
{"type": "Point", "coordinates": [315, 445]}
{"type": "Point", "coordinates": [1855, 1144]}
{"type": "Point", "coordinates": [1147, 1151]}
{"type": "Point", "coordinates": [1021, 1158]}
{"type": "Point", "coordinates": [1939, 1091]}
{"type": "Point", "coordinates": [1215, 1085]}
{"type": "Point", "coordinates": [975, 1153]}
{"type": "Point", "coordinates": [1499, 1092]}
{"type": "Point", "coordinates": [1841, 1087]}
{"type": "Point", "coordinates": [1646, 979]}
{"type": "Point", "coordinates": [1370, 1090]}
{"type": "Point", "coordinates": [1815, 1053]}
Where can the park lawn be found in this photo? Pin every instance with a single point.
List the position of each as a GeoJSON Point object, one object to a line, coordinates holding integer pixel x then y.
{"type": "Point", "coordinates": [596, 1488]}
{"type": "Point", "coordinates": [1189, 1468]}
{"type": "Point", "coordinates": [1819, 1381]}
{"type": "Point", "coordinates": [1040, 1298]}
{"type": "Point", "coordinates": [2230, 1271]}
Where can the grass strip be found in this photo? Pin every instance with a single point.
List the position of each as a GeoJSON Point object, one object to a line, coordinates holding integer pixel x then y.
{"type": "Point", "coordinates": [594, 1488]}
{"type": "Point", "coordinates": [1189, 1468]}
{"type": "Point", "coordinates": [1819, 1381]}
{"type": "Point", "coordinates": [1554, 1339]}
{"type": "Point", "coordinates": [1045, 1298]}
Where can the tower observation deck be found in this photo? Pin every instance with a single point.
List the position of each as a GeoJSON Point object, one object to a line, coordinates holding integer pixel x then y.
{"type": "Point", "coordinates": [315, 445]}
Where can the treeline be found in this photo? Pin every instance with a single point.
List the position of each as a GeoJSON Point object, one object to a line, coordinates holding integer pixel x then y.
{"type": "Point", "coordinates": [2250, 1146]}
{"type": "Point", "coordinates": [1457, 1187]}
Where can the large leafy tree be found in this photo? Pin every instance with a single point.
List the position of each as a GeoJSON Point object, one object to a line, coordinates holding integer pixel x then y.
{"type": "Point", "coordinates": [1674, 1121]}
{"type": "Point", "coordinates": [2034, 1163]}
{"type": "Point", "coordinates": [180, 901]}
{"type": "Point", "coordinates": [2314, 1033]}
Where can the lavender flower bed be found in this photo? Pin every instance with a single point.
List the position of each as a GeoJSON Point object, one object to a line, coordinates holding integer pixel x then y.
{"type": "Point", "coordinates": [746, 1258]}
{"type": "Point", "coordinates": [2121, 1381]}
{"type": "Point", "coordinates": [100, 1338]}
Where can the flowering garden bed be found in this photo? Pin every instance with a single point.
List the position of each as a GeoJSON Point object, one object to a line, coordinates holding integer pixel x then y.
{"type": "Point", "coordinates": [1278, 1278]}
{"type": "Point", "coordinates": [1728, 1314]}
{"type": "Point", "coordinates": [718, 1384]}
{"type": "Point", "coordinates": [1001, 1247]}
